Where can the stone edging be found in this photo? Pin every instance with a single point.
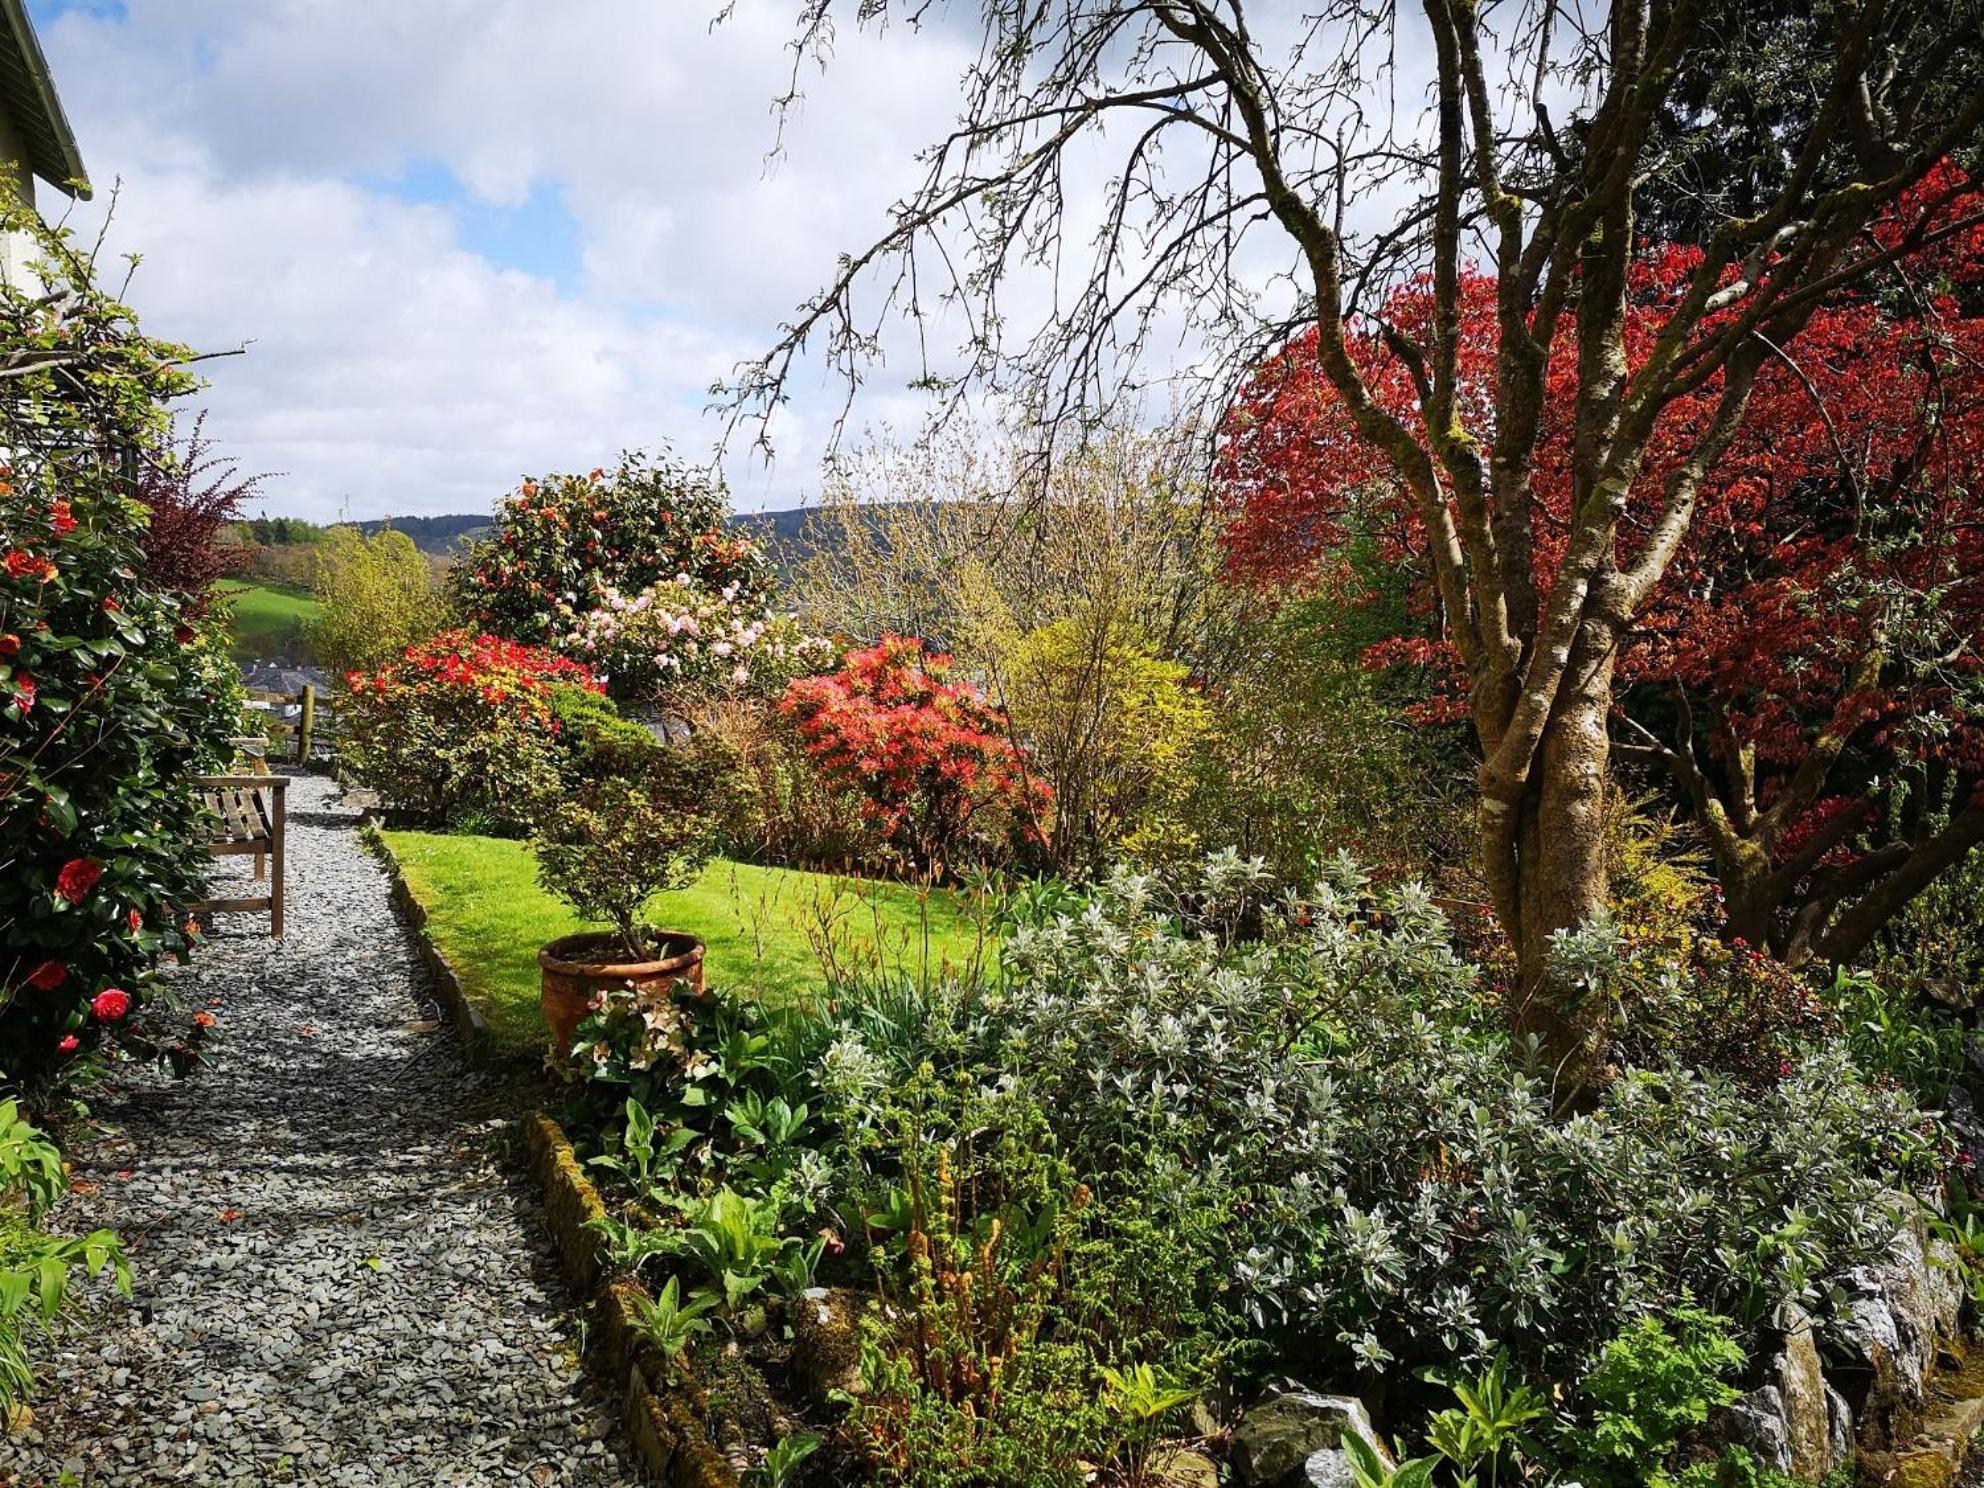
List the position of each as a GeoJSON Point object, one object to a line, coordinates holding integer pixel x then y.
{"type": "Point", "coordinates": [661, 1417]}
{"type": "Point", "coordinates": [461, 1009]}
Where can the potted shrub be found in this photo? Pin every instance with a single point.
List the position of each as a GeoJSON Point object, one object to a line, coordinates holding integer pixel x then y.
{"type": "Point", "coordinates": [618, 840]}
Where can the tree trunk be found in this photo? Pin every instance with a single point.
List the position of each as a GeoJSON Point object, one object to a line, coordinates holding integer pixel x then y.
{"type": "Point", "coordinates": [1560, 867]}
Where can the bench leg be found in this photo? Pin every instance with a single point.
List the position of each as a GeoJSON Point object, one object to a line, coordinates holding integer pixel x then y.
{"type": "Point", "coordinates": [275, 871]}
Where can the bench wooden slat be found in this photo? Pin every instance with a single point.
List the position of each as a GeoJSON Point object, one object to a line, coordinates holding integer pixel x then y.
{"type": "Point", "coordinates": [250, 812]}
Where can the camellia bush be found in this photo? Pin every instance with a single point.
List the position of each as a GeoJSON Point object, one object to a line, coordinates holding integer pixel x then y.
{"type": "Point", "coordinates": [927, 755]}
{"type": "Point", "coordinates": [113, 694]}
{"type": "Point", "coordinates": [462, 729]}
{"type": "Point", "coordinates": [563, 543]}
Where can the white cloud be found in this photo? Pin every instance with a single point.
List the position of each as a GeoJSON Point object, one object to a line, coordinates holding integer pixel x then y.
{"type": "Point", "coordinates": [391, 368]}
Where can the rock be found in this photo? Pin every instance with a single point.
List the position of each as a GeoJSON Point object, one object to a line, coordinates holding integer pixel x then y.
{"type": "Point", "coordinates": [1181, 1467]}
{"type": "Point", "coordinates": [1815, 1418]}
{"type": "Point", "coordinates": [826, 1340]}
{"type": "Point", "coordinates": [1967, 1125]}
{"type": "Point", "coordinates": [1896, 1310]}
{"type": "Point", "coordinates": [1840, 1418]}
{"type": "Point", "coordinates": [1757, 1421]}
{"type": "Point", "coordinates": [1293, 1438]}
{"type": "Point", "coordinates": [1328, 1468]}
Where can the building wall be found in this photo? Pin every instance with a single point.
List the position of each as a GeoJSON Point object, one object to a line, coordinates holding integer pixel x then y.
{"type": "Point", "coordinates": [16, 249]}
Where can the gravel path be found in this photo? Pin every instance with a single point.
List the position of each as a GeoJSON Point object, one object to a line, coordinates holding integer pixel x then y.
{"type": "Point", "coordinates": [337, 1281]}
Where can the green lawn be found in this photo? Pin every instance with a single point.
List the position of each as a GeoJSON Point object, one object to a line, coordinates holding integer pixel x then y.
{"type": "Point", "coordinates": [766, 929]}
{"type": "Point", "coordinates": [267, 614]}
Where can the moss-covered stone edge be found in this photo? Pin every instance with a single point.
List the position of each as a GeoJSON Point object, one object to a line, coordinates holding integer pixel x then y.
{"type": "Point", "coordinates": [662, 1411]}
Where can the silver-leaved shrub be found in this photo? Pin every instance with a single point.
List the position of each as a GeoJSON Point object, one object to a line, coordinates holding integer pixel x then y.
{"type": "Point", "coordinates": [1313, 1106]}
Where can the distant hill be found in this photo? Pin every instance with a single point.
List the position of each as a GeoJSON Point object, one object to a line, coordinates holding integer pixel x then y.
{"type": "Point", "coordinates": [446, 536]}
{"type": "Point", "coordinates": [783, 532]}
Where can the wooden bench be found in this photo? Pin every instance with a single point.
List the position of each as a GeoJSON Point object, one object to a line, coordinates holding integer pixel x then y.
{"type": "Point", "coordinates": [250, 812]}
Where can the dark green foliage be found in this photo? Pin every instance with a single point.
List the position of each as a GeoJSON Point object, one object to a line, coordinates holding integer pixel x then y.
{"type": "Point", "coordinates": [110, 697]}
{"type": "Point", "coordinates": [593, 735]}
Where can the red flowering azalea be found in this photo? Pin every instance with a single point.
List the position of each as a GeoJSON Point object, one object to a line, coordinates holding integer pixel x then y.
{"type": "Point", "coordinates": [927, 754]}
{"type": "Point", "coordinates": [47, 976]}
{"type": "Point", "coordinates": [110, 1004]}
{"type": "Point", "coordinates": [77, 878]}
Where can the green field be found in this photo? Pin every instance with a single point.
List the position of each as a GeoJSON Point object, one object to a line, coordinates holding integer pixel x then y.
{"type": "Point", "coordinates": [267, 618]}
{"type": "Point", "coordinates": [769, 931]}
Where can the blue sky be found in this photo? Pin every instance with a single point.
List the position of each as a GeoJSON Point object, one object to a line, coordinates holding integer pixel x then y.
{"type": "Point", "coordinates": [467, 240]}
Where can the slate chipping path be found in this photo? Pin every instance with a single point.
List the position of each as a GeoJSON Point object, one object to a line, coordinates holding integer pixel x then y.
{"type": "Point", "coordinates": [383, 1310]}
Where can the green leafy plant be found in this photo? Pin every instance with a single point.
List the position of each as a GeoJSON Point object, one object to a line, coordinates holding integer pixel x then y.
{"type": "Point", "coordinates": [671, 1324]}
{"type": "Point", "coordinates": [642, 1151]}
{"type": "Point", "coordinates": [782, 1461]}
{"type": "Point", "coordinates": [560, 542]}
{"type": "Point", "coordinates": [1655, 1380]}
{"type": "Point", "coordinates": [1140, 1398]}
{"type": "Point", "coordinates": [1369, 1470]}
{"type": "Point", "coordinates": [1485, 1429]}
{"type": "Point", "coordinates": [378, 597]}
{"type": "Point", "coordinates": [734, 1241]}
{"type": "Point", "coordinates": [1896, 1032]}
{"type": "Point", "coordinates": [459, 725]}
{"type": "Point", "coordinates": [619, 840]}
{"type": "Point", "coordinates": [36, 1267]}
{"type": "Point", "coordinates": [112, 695]}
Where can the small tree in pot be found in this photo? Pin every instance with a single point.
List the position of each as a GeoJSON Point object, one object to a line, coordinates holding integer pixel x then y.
{"type": "Point", "coordinates": [645, 824]}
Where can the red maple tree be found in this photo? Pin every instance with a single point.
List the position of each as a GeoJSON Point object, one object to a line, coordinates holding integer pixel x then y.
{"type": "Point", "coordinates": [1808, 667]}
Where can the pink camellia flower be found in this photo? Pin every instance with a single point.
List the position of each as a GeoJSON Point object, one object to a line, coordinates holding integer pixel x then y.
{"type": "Point", "coordinates": [110, 1004]}
{"type": "Point", "coordinates": [77, 878]}
{"type": "Point", "coordinates": [68, 1044]}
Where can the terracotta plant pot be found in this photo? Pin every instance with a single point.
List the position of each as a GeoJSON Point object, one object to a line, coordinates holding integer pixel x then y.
{"type": "Point", "coordinates": [577, 967]}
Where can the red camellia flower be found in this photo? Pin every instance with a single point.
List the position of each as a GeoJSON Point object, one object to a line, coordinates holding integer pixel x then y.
{"type": "Point", "coordinates": [77, 878]}
{"type": "Point", "coordinates": [47, 976]}
{"type": "Point", "coordinates": [68, 1044]}
{"type": "Point", "coordinates": [21, 564]}
{"type": "Point", "coordinates": [10, 646]}
{"type": "Point", "coordinates": [24, 688]}
{"type": "Point", "coordinates": [110, 1004]}
{"type": "Point", "coordinates": [135, 920]}
{"type": "Point", "coordinates": [61, 518]}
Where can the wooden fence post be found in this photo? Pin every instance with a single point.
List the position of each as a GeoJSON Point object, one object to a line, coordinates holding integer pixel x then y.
{"type": "Point", "coordinates": [305, 721]}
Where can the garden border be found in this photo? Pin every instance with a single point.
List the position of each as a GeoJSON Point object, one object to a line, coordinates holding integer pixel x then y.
{"type": "Point", "coordinates": [663, 1419]}
{"type": "Point", "coordinates": [461, 1009]}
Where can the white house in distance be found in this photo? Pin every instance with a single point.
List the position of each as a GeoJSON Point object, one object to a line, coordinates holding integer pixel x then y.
{"type": "Point", "coordinates": [35, 139]}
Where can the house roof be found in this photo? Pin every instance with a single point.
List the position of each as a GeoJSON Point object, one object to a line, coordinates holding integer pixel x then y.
{"type": "Point", "coordinates": [27, 92]}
